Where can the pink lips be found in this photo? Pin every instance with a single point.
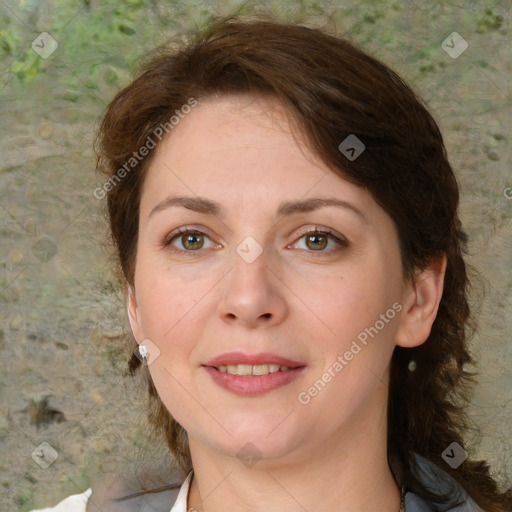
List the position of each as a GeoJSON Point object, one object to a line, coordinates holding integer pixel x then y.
{"type": "Point", "coordinates": [253, 385]}
{"type": "Point", "coordinates": [261, 358]}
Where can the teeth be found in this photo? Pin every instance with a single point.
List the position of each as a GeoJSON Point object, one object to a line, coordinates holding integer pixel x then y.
{"type": "Point", "coordinates": [249, 369]}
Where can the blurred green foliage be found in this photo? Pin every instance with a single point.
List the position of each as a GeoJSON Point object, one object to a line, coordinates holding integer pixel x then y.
{"type": "Point", "coordinates": [101, 42]}
{"type": "Point", "coordinates": [489, 21]}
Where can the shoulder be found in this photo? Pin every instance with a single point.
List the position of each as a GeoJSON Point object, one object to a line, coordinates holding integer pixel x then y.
{"type": "Point", "coordinates": [436, 479]}
{"type": "Point", "coordinates": [115, 493]}
{"type": "Point", "coordinates": [127, 491]}
{"type": "Point", "coordinates": [73, 503]}
{"type": "Point", "coordinates": [133, 492]}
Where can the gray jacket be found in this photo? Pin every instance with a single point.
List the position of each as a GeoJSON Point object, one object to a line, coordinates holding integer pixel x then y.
{"type": "Point", "coordinates": [429, 474]}
{"type": "Point", "coordinates": [434, 478]}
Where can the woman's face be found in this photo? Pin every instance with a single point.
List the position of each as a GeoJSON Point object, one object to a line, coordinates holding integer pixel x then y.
{"type": "Point", "coordinates": [253, 281]}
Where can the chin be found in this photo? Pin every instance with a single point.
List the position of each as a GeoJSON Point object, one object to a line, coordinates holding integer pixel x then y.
{"type": "Point", "coordinates": [256, 443]}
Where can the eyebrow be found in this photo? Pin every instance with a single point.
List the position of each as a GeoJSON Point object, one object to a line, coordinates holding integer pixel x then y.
{"type": "Point", "coordinates": [209, 207]}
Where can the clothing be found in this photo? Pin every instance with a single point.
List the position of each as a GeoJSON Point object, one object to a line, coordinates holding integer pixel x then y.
{"type": "Point", "coordinates": [73, 503]}
{"type": "Point", "coordinates": [431, 475]}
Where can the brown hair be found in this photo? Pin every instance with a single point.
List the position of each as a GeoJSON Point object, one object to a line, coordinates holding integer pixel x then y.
{"type": "Point", "coordinates": [331, 89]}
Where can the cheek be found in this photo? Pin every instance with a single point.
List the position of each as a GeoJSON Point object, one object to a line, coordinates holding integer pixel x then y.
{"type": "Point", "coordinates": [164, 300]}
{"type": "Point", "coordinates": [166, 305]}
{"type": "Point", "coordinates": [347, 303]}
{"type": "Point", "coordinates": [358, 320]}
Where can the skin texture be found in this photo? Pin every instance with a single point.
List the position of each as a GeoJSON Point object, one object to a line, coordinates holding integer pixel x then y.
{"type": "Point", "coordinates": [305, 301]}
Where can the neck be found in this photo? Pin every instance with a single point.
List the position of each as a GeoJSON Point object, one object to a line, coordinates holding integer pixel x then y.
{"type": "Point", "coordinates": [347, 472]}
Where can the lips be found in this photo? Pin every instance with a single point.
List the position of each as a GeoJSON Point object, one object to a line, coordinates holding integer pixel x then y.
{"type": "Point", "coordinates": [235, 358]}
{"type": "Point", "coordinates": [254, 385]}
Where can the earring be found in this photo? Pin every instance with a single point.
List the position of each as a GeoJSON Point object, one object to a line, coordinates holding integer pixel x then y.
{"type": "Point", "coordinates": [412, 365]}
{"type": "Point", "coordinates": [143, 351]}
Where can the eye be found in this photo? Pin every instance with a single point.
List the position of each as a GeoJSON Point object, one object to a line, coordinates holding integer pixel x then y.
{"type": "Point", "coordinates": [191, 240]}
{"type": "Point", "coordinates": [317, 239]}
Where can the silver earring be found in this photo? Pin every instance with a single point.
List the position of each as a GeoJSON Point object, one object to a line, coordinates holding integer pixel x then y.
{"type": "Point", "coordinates": [143, 351]}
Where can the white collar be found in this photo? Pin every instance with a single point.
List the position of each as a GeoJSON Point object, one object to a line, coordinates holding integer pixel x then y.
{"type": "Point", "coordinates": [180, 505]}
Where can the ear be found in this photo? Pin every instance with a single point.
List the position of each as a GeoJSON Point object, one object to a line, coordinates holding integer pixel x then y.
{"type": "Point", "coordinates": [133, 314]}
{"type": "Point", "coordinates": [421, 304]}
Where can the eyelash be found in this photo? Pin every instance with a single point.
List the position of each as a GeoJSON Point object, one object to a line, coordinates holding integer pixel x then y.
{"type": "Point", "coordinates": [342, 242]}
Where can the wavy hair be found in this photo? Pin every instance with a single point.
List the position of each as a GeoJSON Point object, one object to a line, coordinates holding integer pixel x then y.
{"type": "Point", "coordinates": [331, 89]}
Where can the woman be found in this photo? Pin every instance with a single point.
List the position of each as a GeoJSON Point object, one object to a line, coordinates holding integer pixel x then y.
{"type": "Point", "coordinates": [286, 222]}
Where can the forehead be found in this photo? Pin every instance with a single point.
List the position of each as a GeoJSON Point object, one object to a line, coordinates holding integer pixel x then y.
{"type": "Point", "coordinates": [237, 120]}
{"type": "Point", "coordinates": [241, 150]}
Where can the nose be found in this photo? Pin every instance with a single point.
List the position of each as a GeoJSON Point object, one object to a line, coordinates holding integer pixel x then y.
{"type": "Point", "coordinates": [252, 294]}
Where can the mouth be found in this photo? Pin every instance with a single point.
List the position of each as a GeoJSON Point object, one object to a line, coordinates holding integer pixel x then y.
{"type": "Point", "coordinates": [239, 363]}
{"type": "Point", "coordinates": [253, 375]}
{"type": "Point", "coordinates": [249, 370]}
